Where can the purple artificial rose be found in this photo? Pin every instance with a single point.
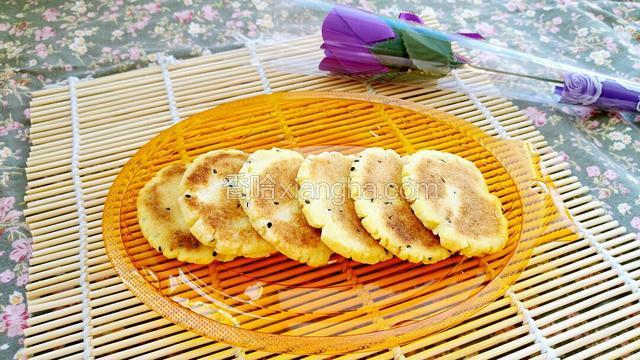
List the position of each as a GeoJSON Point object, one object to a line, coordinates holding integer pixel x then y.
{"type": "Point", "coordinates": [609, 94]}
{"type": "Point", "coordinates": [348, 35]}
{"type": "Point", "coordinates": [581, 89]}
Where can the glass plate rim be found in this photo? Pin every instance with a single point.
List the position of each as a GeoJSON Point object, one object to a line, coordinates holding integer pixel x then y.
{"type": "Point", "coordinates": [245, 338]}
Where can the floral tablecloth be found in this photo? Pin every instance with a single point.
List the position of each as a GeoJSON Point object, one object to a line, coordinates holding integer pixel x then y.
{"type": "Point", "coordinates": [43, 42]}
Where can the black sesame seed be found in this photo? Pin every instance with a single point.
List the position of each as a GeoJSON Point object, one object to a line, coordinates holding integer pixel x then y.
{"type": "Point", "coordinates": [356, 160]}
{"type": "Point", "coordinates": [328, 209]}
{"type": "Point", "coordinates": [371, 199]}
{"type": "Point", "coordinates": [408, 246]}
{"type": "Point", "coordinates": [215, 253]}
{"type": "Point", "coordinates": [215, 171]}
{"type": "Point", "coordinates": [429, 258]}
{"type": "Point", "coordinates": [389, 217]}
{"type": "Point", "coordinates": [238, 205]}
{"type": "Point", "coordinates": [187, 196]}
{"type": "Point", "coordinates": [276, 203]}
{"type": "Point", "coordinates": [160, 248]}
{"type": "Point", "coordinates": [442, 180]}
{"type": "Point", "coordinates": [387, 202]}
{"type": "Point", "coordinates": [269, 225]}
{"type": "Point", "coordinates": [168, 209]}
{"type": "Point", "coordinates": [307, 202]}
{"type": "Point", "coordinates": [340, 210]}
{"type": "Point", "coordinates": [379, 161]}
{"type": "Point", "coordinates": [352, 168]}
{"type": "Point", "coordinates": [443, 161]}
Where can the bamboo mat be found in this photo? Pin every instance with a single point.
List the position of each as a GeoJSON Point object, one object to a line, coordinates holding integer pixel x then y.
{"type": "Point", "coordinates": [575, 300]}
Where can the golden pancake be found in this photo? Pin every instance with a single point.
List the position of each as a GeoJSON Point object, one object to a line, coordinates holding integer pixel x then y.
{"type": "Point", "coordinates": [271, 203]}
{"type": "Point", "coordinates": [326, 204]}
{"type": "Point", "coordinates": [211, 205]}
{"type": "Point", "coordinates": [449, 195]}
{"type": "Point", "coordinates": [375, 188]}
{"type": "Point", "coordinates": [162, 222]}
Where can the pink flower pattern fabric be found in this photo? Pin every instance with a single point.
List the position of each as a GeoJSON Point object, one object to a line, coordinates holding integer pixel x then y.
{"type": "Point", "coordinates": [15, 319]}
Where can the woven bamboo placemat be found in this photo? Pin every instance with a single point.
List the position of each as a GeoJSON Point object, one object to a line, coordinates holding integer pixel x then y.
{"type": "Point", "coordinates": [574, 300]}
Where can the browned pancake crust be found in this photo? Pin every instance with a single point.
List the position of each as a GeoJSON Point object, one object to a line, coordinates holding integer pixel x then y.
{"type": "Point", "coordinates": [324, 195]}
{"type": "Point", "coordinates": [458, 204]}
{"type": "Point", "coordinates": [216, 217]}
{"type": "Point", "coordinates": [162, 222]}
{"type": "Point", "coordinates": [386, 214]}
{"type": "Point", "coordinates": [273, 208]}
{"type": "Point", "coordinates": [212, 207]}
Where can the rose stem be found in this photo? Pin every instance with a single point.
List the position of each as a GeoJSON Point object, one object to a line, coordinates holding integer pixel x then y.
{"type": "Point", "coordinates": [515, 74]}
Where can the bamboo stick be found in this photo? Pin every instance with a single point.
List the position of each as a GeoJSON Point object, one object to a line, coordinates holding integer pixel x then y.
{"type": "Point", "coordinates": [64, 351]}
{"type": "Point", "coordinates": [613, 353]}
{"type": "Point", "coordinates": [53, 315]}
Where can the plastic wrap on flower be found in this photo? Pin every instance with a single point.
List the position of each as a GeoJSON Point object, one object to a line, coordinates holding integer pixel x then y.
{"type": "Point", "coordinates": [360, 43]}
{"type": "Point", "coordinates": [582, 89]}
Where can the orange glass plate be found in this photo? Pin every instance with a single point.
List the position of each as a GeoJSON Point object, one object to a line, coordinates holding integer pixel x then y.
{"type": "Point", "coordinates": [281, 306]}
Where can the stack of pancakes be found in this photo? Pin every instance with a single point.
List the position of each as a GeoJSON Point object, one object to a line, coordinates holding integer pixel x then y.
{"type": "Point", "coordinates": [368, 207]}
